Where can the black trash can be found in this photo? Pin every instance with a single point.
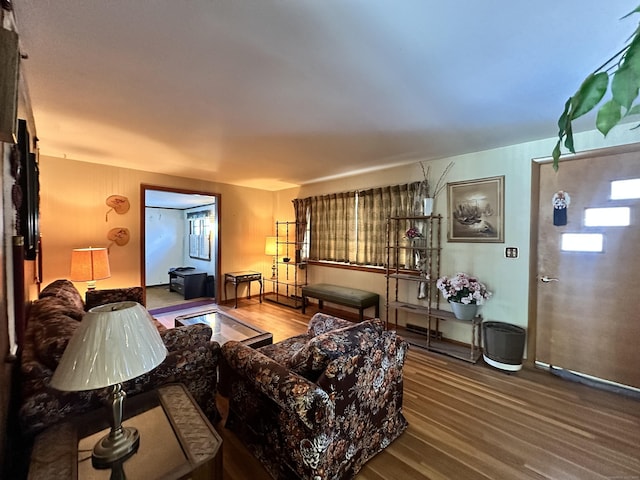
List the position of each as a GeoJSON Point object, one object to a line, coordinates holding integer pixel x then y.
{"type": "Point", "coordinates": [210, 287]}
{"type": "Point", "coordinates": [503, 345]}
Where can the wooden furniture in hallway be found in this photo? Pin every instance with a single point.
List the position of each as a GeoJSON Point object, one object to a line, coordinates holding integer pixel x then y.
{"type": "Point", "coordinates": [236, 278]}
{"type": "Point", "coordinates": [190, 283]}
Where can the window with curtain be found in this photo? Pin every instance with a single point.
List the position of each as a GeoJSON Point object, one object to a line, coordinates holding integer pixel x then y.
{"type": "Point", "coordinates": [200, 234]}
{"type": "Point", "coordinates": [351, 227]}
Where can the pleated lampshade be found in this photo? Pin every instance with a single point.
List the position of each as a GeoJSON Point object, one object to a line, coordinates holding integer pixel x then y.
{"type": "Point", "coordinates": [114, 343]}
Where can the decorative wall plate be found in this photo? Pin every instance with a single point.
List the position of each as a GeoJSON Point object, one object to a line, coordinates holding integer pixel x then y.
{"type": "Point", "coordinates": [120, 236]}
{"type": "Point", "coordinates": [118, 203]}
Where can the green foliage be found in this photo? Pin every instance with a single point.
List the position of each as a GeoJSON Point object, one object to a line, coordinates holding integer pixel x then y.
{"type": "Point", "coordinates": [624, 70]}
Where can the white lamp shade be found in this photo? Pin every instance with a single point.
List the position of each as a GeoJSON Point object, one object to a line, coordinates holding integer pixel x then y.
{"type": "Point", "coordinates": [88, 264]}
{"type": "Point", "coordinates": [114, 343]}
{"type": "Point", "coordinates": [272, 247]}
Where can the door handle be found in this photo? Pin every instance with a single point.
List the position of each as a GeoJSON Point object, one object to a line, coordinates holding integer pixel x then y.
{"type": "Point", "coordinates": [546, 279]}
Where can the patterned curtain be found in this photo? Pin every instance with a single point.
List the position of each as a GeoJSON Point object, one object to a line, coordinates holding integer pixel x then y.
{"type": "Point", "coordinates": [374, 207]}
{"type": "Point", "coordinates": [337, 236]}
{"type": "Point", "coordinates": [301, 207]}
{"type": "Point", "coordinates": [332, 221]}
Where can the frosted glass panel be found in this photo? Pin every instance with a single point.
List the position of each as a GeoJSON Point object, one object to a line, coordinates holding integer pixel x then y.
{"type": "Point", "coordinates": [623, 189]}
{"type": "Point", "coordinates": [607, 217]}
{"type": "Point", "coordinates": [582, 242]}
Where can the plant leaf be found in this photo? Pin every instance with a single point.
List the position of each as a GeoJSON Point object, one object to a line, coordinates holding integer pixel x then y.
{"type": "Point", "coordinates": [624, 86]}
{"type": "Point", "coordinates": [608, 116]}
{"type": "Point", "coordinates": [631, 57]}
{"type": "Point", "coordinates": [568, 142]}
{"type": "Point", "coordinates": [589, 94]}
{"type": "Point", "coordinates": [556, 155]}
{"type": "Point", "coordinates": [635, 110]}
{"type": "Point", "coordinates": [564, 118]}
{"type": "Point", "coordinates": [637, 10]}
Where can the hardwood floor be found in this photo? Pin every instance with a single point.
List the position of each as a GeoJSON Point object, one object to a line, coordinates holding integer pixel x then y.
{"type": "Point", "coordinates": [475, 422]}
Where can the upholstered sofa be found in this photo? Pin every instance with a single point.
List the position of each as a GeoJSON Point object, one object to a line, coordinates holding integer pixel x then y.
{"type": "Point", "coordinates": [52, 319]}
{"type": "Point", "coordinates": [321, 404]}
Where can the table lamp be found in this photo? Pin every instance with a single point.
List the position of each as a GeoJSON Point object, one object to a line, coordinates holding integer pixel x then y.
{"type": "Point", "coordinates": [89, 265]}
{"type": "Point", "coordinates": [273, 248]}
{"type": "Point", "coordinates": [114, 343]}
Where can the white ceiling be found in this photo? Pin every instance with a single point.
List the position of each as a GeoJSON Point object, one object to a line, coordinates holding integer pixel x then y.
{"type": "Point", "coordinates": [182, 201]}
{"type": "Point", "coordinates": [274, 93]}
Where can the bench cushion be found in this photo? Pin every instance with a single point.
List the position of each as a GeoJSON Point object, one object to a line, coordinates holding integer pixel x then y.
{"type": "Point", "coordinates": [350, 297]}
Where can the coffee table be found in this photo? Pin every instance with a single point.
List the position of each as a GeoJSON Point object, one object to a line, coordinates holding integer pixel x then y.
{"type": "Point", "coordinates": [226, 328]}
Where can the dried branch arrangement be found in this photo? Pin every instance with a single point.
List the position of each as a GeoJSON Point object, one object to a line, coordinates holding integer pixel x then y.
{"type": "Point", "coordinates": [439, 185]}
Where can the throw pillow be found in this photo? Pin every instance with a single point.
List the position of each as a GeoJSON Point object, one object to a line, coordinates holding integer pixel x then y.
{"type": "Point", "coordinates": [64, 290]}
{"type": "Point", "coordinates": [313, 358]}
{"type": "Point", "coordinates": [321, 323]}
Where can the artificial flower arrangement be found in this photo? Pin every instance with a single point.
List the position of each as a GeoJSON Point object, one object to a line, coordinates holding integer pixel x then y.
{"type": "Point", "coordinates": [412, 232]}
{"type": "Point", "coordinates": [463, 288]}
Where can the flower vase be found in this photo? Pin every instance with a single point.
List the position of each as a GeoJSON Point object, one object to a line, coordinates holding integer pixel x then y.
{"type": "Point", "coordinates": [464, 311]}
{"type": "Point", "coordinates": [427, 205]}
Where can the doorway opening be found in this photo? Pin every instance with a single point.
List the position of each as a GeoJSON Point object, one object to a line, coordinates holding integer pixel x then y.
{"type": "Point", "coordinates": [180, 257]}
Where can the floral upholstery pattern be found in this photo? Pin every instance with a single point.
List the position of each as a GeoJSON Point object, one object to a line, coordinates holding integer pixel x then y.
{"type": "Point", "coordinates": [321, 323]}
{"type": "Point", "coordinates": [192, 360]}
{"type": "Point", "coordinates": [64, 290]}
{"type": "Point", "coordinates": [328, 425]}
{"type": "Point", "coordinates": [311, 360]}
{"type": "Point", "coordinates": [94, 298]}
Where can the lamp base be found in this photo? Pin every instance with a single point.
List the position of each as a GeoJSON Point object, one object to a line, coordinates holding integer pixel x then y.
{"type": "Point", "coordinates": [118, 447]}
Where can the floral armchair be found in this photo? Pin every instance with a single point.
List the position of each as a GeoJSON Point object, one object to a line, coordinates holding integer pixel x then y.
{"type": "Point", "coordinates": [319, 405]}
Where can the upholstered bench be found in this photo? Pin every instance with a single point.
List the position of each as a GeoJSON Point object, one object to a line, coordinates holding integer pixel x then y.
{"type": "Point", "coordinates": [345, 296]}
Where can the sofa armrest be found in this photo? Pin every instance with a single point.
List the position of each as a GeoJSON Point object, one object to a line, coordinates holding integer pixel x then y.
{"type": "Point", "coordinates": [186, 337]}
{"type": "Point", "coordinates": [195, 365]}
{"type": "Point", "coordinates": [290, 391]}
{"type": "Point", "coordinates": [368, 381]}
{"type": "Point", "coordinates": [95, 298]}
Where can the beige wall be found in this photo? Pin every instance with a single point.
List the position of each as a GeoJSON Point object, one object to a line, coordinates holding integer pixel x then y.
{"type": "Point", "coordinates": [73, 215]}
{"type": "Point", "coordinates": [508, 279]}
{"type": "Point", "coordinates": [73, 211]}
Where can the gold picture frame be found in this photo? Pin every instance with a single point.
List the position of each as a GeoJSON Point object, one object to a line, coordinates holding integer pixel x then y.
{"type": "Point", "coordinates": [476, 210]}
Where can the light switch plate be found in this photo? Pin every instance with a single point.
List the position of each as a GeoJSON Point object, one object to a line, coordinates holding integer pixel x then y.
{"type": "Point", "coordinates": [511, 252]}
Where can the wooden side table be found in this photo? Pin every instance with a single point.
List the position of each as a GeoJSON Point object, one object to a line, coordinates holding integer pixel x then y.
{"type": "Point", "coordinates": [176, 442]}
{"type": "Point", "coordinates": [236, 278]}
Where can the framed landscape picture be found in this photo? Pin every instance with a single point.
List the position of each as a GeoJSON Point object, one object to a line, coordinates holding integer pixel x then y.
{"type": "Point", "coordinates": [476, 210]}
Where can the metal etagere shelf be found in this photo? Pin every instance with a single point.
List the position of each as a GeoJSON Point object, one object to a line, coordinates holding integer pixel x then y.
{"type": "Point", "coordinates": [291, 269]}
{"type": "Point", "coordinates": [418, 261]}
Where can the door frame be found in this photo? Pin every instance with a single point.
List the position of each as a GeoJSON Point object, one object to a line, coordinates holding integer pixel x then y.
{"type": "Point", "coordinates": [536, 164]}
{"type": "Point", "coordinates": [217, 252]}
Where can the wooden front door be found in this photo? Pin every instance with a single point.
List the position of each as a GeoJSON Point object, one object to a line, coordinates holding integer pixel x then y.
{"type": "Point", "coordinates": [588, 303]}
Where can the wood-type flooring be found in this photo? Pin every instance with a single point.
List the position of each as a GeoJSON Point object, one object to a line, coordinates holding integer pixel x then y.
{"type": "Point", "coordinates": [472, 422]}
